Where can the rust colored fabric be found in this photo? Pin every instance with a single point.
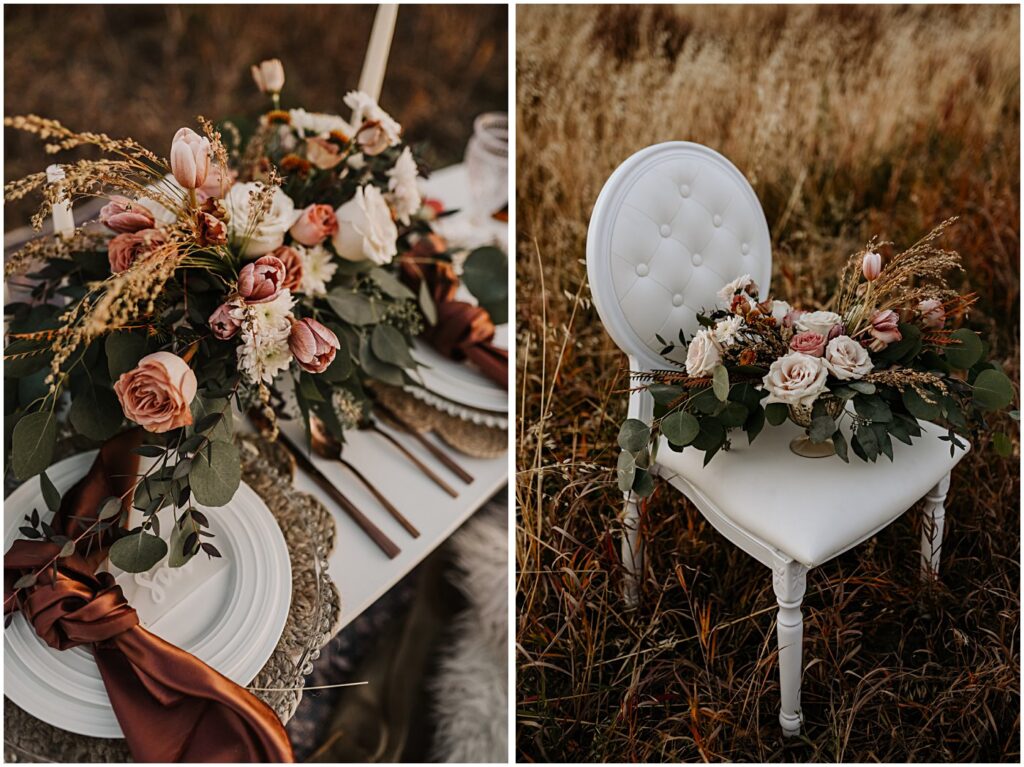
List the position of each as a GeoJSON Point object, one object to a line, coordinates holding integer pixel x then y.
{"type": "Point", "coordinates": [171, 706]}
{"type": "Point", "coordinates": [463, 331]}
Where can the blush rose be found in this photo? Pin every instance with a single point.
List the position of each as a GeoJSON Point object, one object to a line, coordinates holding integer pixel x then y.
{"type": "Point", "coordinates": [157, 393]}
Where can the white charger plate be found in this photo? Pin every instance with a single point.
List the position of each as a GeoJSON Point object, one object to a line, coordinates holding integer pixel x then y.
{"type": "Point", "coordinates": [228, 612]}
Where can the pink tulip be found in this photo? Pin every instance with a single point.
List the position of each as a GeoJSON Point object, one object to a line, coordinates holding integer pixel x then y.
{"type": "Point", "coordinates": [269, 75]}
{"type": "Point", "coordinates": [884, 329]}
{"type": "Point", "coordinates": [313, 345]}
{"type": "Point", "coordinates": [124, 215]}
{"type": "Point", "coordinates": [871, 266]}
{"type": "Point", "coordinates": [223, 325]}
{"type": "Point", "coordinates": [262, 280]}
{"type": "Point", "coordinates": [933, 314]}
{"type": "Point", "coordinates": [314, 225]}
{"type": "Point", "coordinates": [190, 158]}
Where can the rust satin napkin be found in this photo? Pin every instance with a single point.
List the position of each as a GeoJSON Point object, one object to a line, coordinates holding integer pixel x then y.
{"type": "Point", "coordinates": [463, 331]}
{"type": "Point", "coordinates": [171, 706]}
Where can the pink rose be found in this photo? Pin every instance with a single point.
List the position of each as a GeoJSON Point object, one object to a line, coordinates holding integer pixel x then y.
{"type": "Point", "coordinates": [124, 215]}
{"type": "Point", "coordinates": [190, 158]}
{"type": "Point", "coordinates": [292, 267]}
{"type": "Point", "coordinates": [261, 280]}
{"type": "Point", "coordinates": [933, 314]}
{"type": "Point", "coordinates": [871, 266]}
{"type": "Point", "coordinates": [811, 344]}
{"type": "Point", "coordinates": [123, 250]}
{"type": "Point", "coordinates": [157, 393]}
{"type": "Point", "coordinates": [884, 329]}
{"type": "Point", "coordinates": [323, 153]}
{"type": "Point", "coordinates": [312, 345]}
{"type": "Point", "coordinates": [223, 325]}
{"type": "Point", "coordinates": [314, 225]}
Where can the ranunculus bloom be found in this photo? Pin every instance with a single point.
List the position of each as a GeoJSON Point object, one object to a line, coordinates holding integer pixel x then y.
{"type": "Point", "coordinates": [314, 225]}
{"type": "Point", "coordinates": [884, 329]}
{"type": "Point", "coordinates": [269, 75]}
{"type": "Point", "coordinates": [796, 379]}
{"type": "Point", "coordinates": [124, 215]}
{"type": "Point", "coordinates": [271, 226]}
{"type": "Point", "coordinates": [313, 345]}
{"type": "Point", "coordinates": [846, 359]}
{"type": "Point", "coordinates": [365, 229]}
{"type": "Point", "coordinates": [871, 266]}
{"type": "Point", "coordinates": [817, 322]}
{"type": "Point", "coordinates": [808, 343]}
{"type": "Point", "coordinates": [157, 393]}
{"type": "Point", "coordinates": [933, 314]}
{"type": "Point", "coordinates": [293, 269]}
{"type": "Point", "coordinates": [124, 249]}
{"type": "Point", "coordinates": [190, 158]}
{"type": "Point", "coordinates": [323, 153]}
{"type": "Point", "coordinates": [702, 355]}
{"type": "Point", "coordinates": [261, 280]}
{"type": "Point", "coordinates": [224, 323]}
{"type": "Point", "coordinates": [212, 231]}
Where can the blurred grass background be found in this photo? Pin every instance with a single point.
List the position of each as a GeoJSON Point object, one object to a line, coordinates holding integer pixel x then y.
{"type": "Point", "coordinates": [145, 70]}
{"type": "Point", "coordinates": [849, 121]}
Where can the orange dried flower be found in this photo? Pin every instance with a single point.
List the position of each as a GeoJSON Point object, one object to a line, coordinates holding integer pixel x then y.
{"type": "Point", "coordinates": [292, 163]}
{"type": "Point", "coordinates": [279, 117]}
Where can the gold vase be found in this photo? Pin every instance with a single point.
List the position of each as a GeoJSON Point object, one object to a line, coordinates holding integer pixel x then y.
{"type": "Point", "coordinates": [801, 415]}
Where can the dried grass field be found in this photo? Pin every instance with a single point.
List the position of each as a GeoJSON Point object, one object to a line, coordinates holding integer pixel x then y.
{"type": "Point", "coordinates": [849, 122]}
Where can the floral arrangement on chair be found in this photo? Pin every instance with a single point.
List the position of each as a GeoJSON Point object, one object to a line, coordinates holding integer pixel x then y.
{"type": "Point", "coordinates": [239, 272]}
{"type": "Point", "coordinates": [885, 356]}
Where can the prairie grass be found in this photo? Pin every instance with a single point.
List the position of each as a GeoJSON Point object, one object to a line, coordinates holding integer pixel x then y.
{"type": "Point", "coordinates": [850, 122]}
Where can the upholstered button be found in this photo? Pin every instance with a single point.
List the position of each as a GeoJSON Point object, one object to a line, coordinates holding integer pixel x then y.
{"type": "Point", "coordinates": [642, 269]}
{"type": "Point", "coordinates": [665, 230]}
{"type": "Point", "coordinates": [717, 219]}
{"type": "Point", "coordinates": [684, 190]}
{"type": "Point", "coordinates": [745, 248]}
{"type": "Point", "coordinates": [697, 259]}
{"type": "Point", "coordinates": [677, 300]}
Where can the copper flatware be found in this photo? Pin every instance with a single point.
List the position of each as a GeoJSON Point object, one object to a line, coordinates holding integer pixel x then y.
{"type": "Point", "coordinates": [418, 463]}
{"type": "Point", "coordinates": [433, 449]}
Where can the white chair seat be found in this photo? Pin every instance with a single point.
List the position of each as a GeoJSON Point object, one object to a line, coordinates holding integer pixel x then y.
{"type": "Point", "coordinates": [810, 509]}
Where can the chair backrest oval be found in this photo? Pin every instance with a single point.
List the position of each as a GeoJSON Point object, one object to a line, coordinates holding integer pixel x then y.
{"type": "Point", "coordinates": [673, 224]}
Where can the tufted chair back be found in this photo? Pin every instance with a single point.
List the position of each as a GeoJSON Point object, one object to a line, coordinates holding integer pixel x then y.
{"type": "Point", "coordinates": [672, 225]}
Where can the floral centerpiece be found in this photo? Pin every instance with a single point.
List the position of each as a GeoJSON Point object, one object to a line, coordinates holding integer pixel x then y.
{"type": "Point", "coordinates": [885, 356]}
{"type": "Point", "coordinates": [237, 273]}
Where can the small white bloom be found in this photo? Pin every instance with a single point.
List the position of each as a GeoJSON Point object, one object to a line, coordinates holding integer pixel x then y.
{"type": "Point", "coordinates": [796, 379]}
{"type": "Point", "coordinates": [743, 283]}
{"type": "Point", "coordinates": [365, 229]}
{"type": "Point", "coordinates": [318, 122]}
{"type": "Point", "coordinates": [846, 359]}
{"type": "Point", "coordinates": [818, 322]}
{"type": "Point", "coordinates": [702, 355]}
{"type": "Point", "coordinates": [318, 268]}
{"type": "Point", "coordinates": [404, 192]}
{"type": "Point", "coordinates": [263, 360]}
{"type": "Point", "coordinates": [263, 351]}
{"type": "Point", "coordinates": [780, 309]}
{"type": "Point", "coordinates": [268, 233]}
{"type": "Point", "coordinates": [366, 109]}
{"type": "Point", "coordinates": [727, 331]}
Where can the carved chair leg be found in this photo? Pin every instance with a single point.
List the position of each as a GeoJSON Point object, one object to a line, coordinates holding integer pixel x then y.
{"type": "Point", "coordinates": [790, 581]}
{"type": "Point", "coordinates": [932, 526]}
{"type": "Point", "coordinates": [631, 550]}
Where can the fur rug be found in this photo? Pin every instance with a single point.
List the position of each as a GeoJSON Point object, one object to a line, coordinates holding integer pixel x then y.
{"type": "Point", "coordinates": [470, 690]}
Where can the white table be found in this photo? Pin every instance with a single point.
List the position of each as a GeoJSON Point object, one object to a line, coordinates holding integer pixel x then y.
{"type": "Point", "coordinates": [360, 570]}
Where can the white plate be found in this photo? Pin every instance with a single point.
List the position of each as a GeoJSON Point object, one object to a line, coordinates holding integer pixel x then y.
{"type": "Point", "coordinates": [228, 612]}
{"type": "Point", "coordinates": [456, 381]}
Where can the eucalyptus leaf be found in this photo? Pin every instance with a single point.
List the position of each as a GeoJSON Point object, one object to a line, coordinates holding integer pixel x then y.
{"type": "Point", "coordinates": [426, 302]}
{"type": "Point", "coordinates": [96, 413]}
{"type": "Point", "coordinates": [776, 413]}
{"type": "Point", "coordinates": [32, 443]}
{"type": "Point", "coordinates": [643, 483]}
{"type": "Point", "coordinates": [391, 285]}
{"type": "Point", "coordinates": [124, 350]}
{"type": "Point", "coordinates": [1002, 444]}
{"type": "Point", "coordinates": [918, 407]}
{"type": "Point", "coordinates": [51, 496]}
{"type": "Point", "coordinates": [390, 346]}
{"type": "Point", "coordinates": [720, 382]}
{"type": "Point", "coordinates": [822, 428]}
{"type": "Point", "coordinates": [377, 368]}
{"type": "Point", "coordinates": [216, 473]}
{"type": "Point", "coordinates": [680, 428]}
{"type": "Point", "coordinates": [992, 390]}
{"type": "Point", "coordinates": [965, 350]}
{"type": "Point", "coordinates": [872, 408]}
{"type": "Point", "coordinates": [485, 275]}
{"type": "Point", "coordinates": [625, 471]}
{"type": "Point", "coordinates": [634, 435]}
{"type": "Point", "coordinates": [137, 552]}
{"type": "Point", "coordinates": [177, 555]}
{"type": "Point", "coordinates": [355, 307]}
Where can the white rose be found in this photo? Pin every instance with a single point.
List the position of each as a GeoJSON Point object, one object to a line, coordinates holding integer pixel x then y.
{"type": "Point", "coordinates": [403, 190]}
{"type": "Point", "coordinates": [779, 310]}
{"type": "Point", "coordinates": [727, 331]}
{"type": "Point", "coordinates": [796, 379]}
{"type": "Point", "coordinates": [817, 322]}
{"type": "Point", "coordinates": [365, 229]}
{"type": "Point", "coordinates": [846, 359]}
{"type": "Point", "coordinates": [743, 283]}
{"type": "Point", "coordinates": [269, 230]}
{"type": "Point", "coordinates": [702, 354]}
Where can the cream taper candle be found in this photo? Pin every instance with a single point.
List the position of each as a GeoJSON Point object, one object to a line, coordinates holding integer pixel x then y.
{"type": "Point", "coordinates": [376, 62]}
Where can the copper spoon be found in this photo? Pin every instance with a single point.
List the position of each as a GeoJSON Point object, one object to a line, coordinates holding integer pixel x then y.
{"type": "Point", "coordinates": [419, 464]}
{"type": "Point", "coordinates": [326, 446]}
{"type": "Point", "coordinates": [396, 420]}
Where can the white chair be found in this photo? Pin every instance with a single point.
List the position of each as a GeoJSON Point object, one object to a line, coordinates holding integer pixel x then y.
{"type": "Point", "coordinates": [672, 225]}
